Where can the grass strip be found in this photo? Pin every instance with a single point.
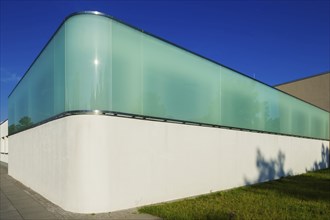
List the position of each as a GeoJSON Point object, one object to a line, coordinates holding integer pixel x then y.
{"type": "Point", "coordinates": [305, 196]}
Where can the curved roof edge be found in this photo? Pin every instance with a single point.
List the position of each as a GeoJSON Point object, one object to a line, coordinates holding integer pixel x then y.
{"type": "Point", "coordinates": [138, 29]}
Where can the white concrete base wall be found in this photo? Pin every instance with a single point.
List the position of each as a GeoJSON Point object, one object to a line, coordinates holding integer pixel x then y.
{"type": "Point", "coordinates": [4, 158]}
{"type": "Point", "coordinates": [4, 141]}
{"type": "Point", "coordinates": [92, 163]}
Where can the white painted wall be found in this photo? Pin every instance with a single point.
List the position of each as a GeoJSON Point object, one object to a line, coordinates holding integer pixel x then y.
{"type": "Point", "coordinates": [4, 141]}
{"type": "Point", "coordinates": [93, 163]}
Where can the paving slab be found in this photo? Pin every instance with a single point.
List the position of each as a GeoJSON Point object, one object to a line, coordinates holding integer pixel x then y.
{"type": "Point", "coordinates": [20, 202]}
{"type": "Point", "coordinates": [8, 215]}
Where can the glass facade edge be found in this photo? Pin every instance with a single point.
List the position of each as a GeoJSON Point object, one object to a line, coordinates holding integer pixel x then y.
{"type": "Point", "coordinates": [94, 62]}
{"type": "Point", "coordinates": [97, 13]}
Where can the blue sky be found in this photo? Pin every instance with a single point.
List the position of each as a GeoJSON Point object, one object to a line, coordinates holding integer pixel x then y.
{"type": "Point", "coordinates": [273, 41]}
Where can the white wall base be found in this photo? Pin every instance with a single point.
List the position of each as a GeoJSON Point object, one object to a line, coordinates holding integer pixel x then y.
{"type": "Point", "coordinates": [4, 158]}
{"type": "Point", "coordinates": [93, 163]}
{"type": "Point", "coordinates": [4, 141]}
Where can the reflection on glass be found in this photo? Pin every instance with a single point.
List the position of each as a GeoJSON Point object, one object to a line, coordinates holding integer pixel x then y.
{"type": "Point", "coordinates": [24, 123]}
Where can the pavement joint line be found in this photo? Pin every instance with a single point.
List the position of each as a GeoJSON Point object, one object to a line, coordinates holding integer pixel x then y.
{"type": "Point", "coordinates": [12, 204]}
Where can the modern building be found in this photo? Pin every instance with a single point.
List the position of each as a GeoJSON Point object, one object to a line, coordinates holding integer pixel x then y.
{"type": "Point", "coordinates": [4, 141]}
{"type": "Point", "coordinates": [109, 117]}
{"type": "Point", "coordinates": [314, 89]}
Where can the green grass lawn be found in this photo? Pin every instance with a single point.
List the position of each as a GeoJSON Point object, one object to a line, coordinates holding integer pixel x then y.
{"type": "Point", "coordinates": [305, 196]}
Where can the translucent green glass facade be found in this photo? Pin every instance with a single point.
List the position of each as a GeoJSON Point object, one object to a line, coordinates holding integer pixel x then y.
{"type": "Point", "coordinates": [96, 63]}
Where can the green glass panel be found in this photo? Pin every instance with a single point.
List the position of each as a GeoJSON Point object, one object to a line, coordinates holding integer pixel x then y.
{"type": "Point", "coordinates": [37, 96]}
{"type": "Point", "coordinates": [59, 68]}
{"type": "Point", "coordinates": [270, 115]}
{"type": "Point", "coordinates": [240, 104]}
{"type": "Point", "coordinates": [299, 119]}
{"type": "Point", "coordinates": [178, 84]}
{"type": "Point", "coordinates": [127, 69]}
{"type": "Point", "coordinates": [11, 114]}
{"type": "Point", "coordinates": [88, 69]}
{"type": "Point", "coordinates": [285, 109]}
{"type": "Point", "coordinates": [41, 87]}
{"type": "Point", "coordinates": [315, 124]}
{"type": "Point", "coordinates": [20, 106]}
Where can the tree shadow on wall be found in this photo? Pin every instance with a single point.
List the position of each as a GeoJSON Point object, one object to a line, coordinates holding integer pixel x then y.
{"type": "Point", "coordinates": [324, 163]}
{"type": "Point", "coordinates": [269, 169]}
{"type": "Point", "coordinates": [303, 187]}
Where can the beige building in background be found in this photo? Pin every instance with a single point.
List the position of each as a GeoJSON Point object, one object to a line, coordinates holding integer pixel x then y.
{"type": "Point", "coordinates": [313, 89]}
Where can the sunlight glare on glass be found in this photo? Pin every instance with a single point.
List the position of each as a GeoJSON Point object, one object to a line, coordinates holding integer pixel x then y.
{"type": "Point", "coordinates": [96, 62]}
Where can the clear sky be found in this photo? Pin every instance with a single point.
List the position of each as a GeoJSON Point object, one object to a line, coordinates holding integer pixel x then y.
{"type": "Point", "coordinates": [273, 41]}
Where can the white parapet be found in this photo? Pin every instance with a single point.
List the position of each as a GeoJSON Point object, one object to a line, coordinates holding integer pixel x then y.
{"type": "Point", "coordinates": [4, 141]}
{"type": "Point", "coordinates": [94, 163]}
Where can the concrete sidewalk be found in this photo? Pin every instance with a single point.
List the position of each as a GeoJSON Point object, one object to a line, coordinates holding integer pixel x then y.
{"type": "Point", "coordinates": [19, 202]}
